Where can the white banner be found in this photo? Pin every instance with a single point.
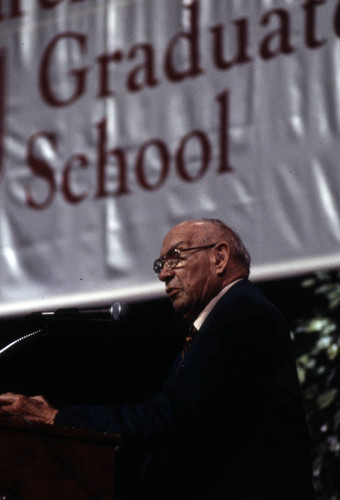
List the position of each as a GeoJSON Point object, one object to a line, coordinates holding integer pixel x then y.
{"type": "Point", "coordinates": [121, 118]}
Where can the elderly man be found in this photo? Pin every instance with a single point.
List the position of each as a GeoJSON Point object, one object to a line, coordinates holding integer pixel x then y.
{"type": "Point", "coordinates": [229, 421]}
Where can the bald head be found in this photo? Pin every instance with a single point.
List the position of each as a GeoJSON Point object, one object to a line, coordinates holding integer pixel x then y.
{"type": "Point", "coordinates": [204, 231]}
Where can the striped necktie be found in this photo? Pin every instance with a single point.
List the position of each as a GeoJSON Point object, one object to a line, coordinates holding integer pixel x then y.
{"type": "Point", "coordinates": [189, 339]}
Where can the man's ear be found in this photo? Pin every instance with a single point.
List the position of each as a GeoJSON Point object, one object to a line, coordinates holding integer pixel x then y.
{"type": "Point", "coordinates": [222, 255]}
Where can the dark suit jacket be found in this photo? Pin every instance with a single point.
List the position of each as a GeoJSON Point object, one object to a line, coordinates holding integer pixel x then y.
{"type": "Point", "coordinates": [229, 422]}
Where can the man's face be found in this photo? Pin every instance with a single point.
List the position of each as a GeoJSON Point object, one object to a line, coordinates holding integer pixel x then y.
{"type": "Point", "coordinates": [193, 282]}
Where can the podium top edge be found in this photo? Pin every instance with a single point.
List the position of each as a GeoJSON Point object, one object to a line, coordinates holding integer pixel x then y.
{"type": "Point", "coordinates": [24, 425]}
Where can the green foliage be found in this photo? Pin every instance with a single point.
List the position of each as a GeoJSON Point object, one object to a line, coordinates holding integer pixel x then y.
{"type": "Point", "coordinates": [316, 336]}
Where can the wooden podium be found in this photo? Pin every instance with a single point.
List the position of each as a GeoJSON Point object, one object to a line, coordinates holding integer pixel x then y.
{"type": "Point", "coordinates": [43, 462]}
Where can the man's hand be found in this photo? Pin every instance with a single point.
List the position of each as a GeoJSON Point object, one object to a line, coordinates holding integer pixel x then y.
{"type": "Point", "coordinates": [34, 408]}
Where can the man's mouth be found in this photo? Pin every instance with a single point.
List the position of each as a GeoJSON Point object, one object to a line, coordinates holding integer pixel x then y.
{"type": "Point", "coordinates": [172, 291]}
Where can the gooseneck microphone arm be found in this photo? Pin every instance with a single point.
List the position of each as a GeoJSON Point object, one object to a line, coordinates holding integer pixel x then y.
{"type": "Point", "coordinates": [40, 331]}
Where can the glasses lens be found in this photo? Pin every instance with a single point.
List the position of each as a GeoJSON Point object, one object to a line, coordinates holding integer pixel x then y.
{"type": "Point", "coordinates": [172, 258]}
{"type": "Point", "coordinates": [158, 265]}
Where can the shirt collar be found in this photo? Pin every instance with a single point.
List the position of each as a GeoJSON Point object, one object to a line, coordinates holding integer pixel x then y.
{"type": "Point", "coordinates": [208, 308]}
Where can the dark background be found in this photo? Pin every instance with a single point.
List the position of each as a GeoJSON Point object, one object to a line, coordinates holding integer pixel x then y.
{"type": "Point", "coordinates": [104, 361]}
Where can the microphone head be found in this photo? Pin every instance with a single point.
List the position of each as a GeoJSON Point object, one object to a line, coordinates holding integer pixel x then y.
{"type": "Point", "coordinates": [119, 311]}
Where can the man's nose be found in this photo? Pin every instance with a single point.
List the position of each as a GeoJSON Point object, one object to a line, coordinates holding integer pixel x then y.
{"type": "Point", "coordinates": [166, 273]}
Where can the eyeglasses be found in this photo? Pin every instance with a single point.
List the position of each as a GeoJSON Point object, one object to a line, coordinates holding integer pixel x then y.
{"type": "Point", "coordinates": [173, 257]}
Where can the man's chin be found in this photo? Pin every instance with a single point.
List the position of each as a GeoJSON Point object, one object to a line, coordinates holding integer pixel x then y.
{"type": "Point", "coordinates": [179, 306]}
{"type": "Point", "coordinates": [182, 309]}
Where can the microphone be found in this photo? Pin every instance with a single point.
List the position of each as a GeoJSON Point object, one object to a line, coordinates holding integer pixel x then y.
{"type": "Point", "coordinates": [117, 313]}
